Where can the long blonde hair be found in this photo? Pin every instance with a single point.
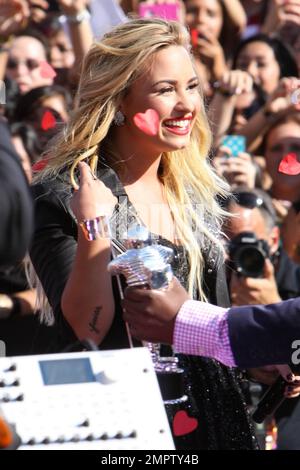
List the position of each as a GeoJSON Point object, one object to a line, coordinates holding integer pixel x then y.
{"type": "Point", "coordinates": [191, 185]}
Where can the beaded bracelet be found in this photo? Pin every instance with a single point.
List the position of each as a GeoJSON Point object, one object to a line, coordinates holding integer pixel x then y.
{"type": "Point", "coordinates": [95, 229]}
{"type": "Point", "coordinates": [223, 91]}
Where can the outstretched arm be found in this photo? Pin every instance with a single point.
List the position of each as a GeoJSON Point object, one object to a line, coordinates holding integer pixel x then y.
{"type": "Point", "coordinates": [246, 336]}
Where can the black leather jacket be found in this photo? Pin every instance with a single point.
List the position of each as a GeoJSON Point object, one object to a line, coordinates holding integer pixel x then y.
{"type": "Point", "coordinates": [53, 250]}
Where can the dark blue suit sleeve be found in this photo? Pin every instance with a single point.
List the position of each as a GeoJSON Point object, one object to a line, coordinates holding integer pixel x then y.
{"type": "Point", "coordinates": [263, 335]}
{"type": "Point", "coordinates": [16, 208]}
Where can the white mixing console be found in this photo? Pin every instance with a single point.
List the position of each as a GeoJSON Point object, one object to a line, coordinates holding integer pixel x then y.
{"type": "Point", "coordinates": [89, 400]}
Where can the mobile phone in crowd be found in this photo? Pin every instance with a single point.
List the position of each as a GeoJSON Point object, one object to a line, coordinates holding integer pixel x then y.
{"type": "Point", "coordinates": [235, 143]}
{"type": "Point", "coordinates": [195, 35]}
{"type": "Point", "coordinates": [166, 11]}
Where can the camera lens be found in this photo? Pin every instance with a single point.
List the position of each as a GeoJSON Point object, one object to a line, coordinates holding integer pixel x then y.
{"type": "Point", "coordinates": [250, 261]}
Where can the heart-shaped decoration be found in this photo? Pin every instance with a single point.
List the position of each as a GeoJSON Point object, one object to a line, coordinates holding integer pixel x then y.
{"type": "Point", "coordinates": [48, 121]}
{"type": "Point", "coordinates": [183, 424]}
{"type": "Point", "coordinates": [289, 165]}
{"type": "Point", "coordinates": [147, 122]}
{"type": "Point", "coordinates": [46, 70]}
{"type": "Point", "coordinates": [40, 165]}
{"type": "Point", "coordinates": [194, 37]}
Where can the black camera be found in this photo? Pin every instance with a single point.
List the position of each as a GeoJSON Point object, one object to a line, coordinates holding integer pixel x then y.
{"type": "Point", "coordinates": [248, 254]}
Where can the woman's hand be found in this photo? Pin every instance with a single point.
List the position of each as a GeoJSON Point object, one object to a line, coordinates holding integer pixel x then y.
{"type": "Point", "coordinates": [269, 374]}
{"type": "Point", "coordinates": [236, 82]}
{"type": "Point", "coordinates": [239, 171]}
{"type": "Point", "coordinates": [14, 16]}
{"type": "Point", "coordinates": [92, 199]}
{"type": "Point", "coordinates": [281, 13]}
{"type": "Point", "coordinates": [210, 50]}
{"type": "Point", "coordinates": [280, 102]}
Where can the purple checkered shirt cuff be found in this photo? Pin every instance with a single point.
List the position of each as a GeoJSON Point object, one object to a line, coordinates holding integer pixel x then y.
{"type": "Point", "coordinates": [201, 329]}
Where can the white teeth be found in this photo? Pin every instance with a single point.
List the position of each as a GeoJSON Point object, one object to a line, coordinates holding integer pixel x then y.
{"type": "Point", "coordinates": [183, 123]}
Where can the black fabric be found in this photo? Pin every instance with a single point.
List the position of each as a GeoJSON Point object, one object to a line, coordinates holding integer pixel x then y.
{"type": "Point", "coordinates": [288, 425]}
{"type": "Point", "coordinates": [13, 279]}
{"type": "Point", "coordinates": [25, 335]}
{"type": "Point", "coordinates": [288, 414]}
{"type": "Point", "coordinates": [16, 211]}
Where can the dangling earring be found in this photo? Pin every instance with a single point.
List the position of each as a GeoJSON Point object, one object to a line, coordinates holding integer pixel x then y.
{"type": "Point", "coordinates": [119, 119]}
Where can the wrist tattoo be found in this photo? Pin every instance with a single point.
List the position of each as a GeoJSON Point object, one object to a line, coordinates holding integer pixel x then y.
{"type": "Point", "coordinates": [93, 322]}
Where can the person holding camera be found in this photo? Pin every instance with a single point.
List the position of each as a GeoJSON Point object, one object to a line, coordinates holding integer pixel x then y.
{"type": "Point", "coordinates": [260, 270]}
{"type": "Point", "coordinates": [262, 273]}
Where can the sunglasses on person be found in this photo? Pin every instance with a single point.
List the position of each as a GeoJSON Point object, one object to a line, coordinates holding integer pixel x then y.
{"type": "Point", "coordinates": [31, 64]}
{"type": "Point", "coordinates": [250, 201]}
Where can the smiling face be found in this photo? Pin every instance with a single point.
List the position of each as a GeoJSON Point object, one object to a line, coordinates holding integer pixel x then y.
{"type": "Point", "coordinates": [171, 88]}
{"type": "Point", "coordinates": [258, 59]}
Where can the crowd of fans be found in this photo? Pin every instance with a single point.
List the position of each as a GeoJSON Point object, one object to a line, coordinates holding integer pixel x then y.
{"type": "Point", "coordinates": [247, 55]}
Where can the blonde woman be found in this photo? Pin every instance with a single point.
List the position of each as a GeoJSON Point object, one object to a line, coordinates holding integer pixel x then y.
{"type": "Point", "coordinates": [139, 127]}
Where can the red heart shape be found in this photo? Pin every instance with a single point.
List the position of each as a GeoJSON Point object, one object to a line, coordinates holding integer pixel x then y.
{"type": "Point", "coordinates": [194, 37]}
{"type": "Point", "coordinates": [40, 165]}
{"type": "Point", "coordinates": [147, 122]}
{"type": "Point", "coordinates": [46, 70]}
{"type": "Point", "coordinates": [289, 165]}
{"type": "Point", "coordinates": [183, 424]}
{"type": "Point", "coordinates": [48, 121]}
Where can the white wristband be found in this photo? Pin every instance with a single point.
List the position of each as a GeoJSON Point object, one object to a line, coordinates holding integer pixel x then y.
{"type": "Point", "coordinates": [83, 15]}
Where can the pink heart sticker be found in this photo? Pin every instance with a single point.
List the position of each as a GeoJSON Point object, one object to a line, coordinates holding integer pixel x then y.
{"type": "Point", "coordinates": [48, 121]}
{"type": "Point", "coordinates": [183, 424]}
{"type": "Point", "coordinates": [289, 165]}
{"type": "Point", "coordinates": [46, 70]}
{"type": "Point", "coordinates": [148, 122]}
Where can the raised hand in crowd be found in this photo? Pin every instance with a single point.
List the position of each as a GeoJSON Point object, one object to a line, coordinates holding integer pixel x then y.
{"type": "Point", "coordinates": [210, 51]}
{"type": "Point", "coordinates": [254, 291]}
{"type": "Point", "coordinates": [278, 105]}
{"type": "Point", "coordinates": [13, 16]}
{"type": "Point", "coordinates": [236, 13]}
{"type": "Point", "coordinates": [232, 85]}
{"type": "Point", "coordinates": [238, 171]}
{"type": "Point", "coordinates": [282, 13]}
{"type": "Point", "coordinates": [280, 102]}
{"type": "Point", "coordinates": [80, 31]}
{"type": "Point", "coordinates": [72, 7]}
